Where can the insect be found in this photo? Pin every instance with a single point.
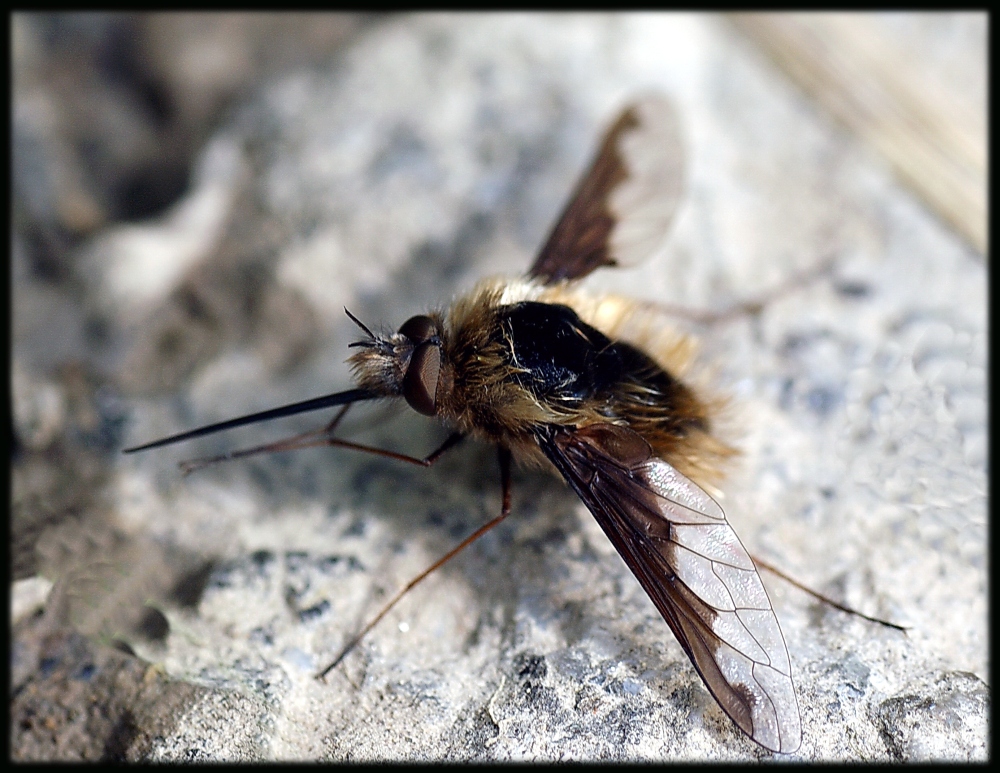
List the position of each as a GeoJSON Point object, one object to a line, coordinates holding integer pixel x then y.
{"type": "Point", "coordinates": [550, 376]}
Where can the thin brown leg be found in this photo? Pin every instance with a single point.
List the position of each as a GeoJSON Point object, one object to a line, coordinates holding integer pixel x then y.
{"type": "Point", "coordinates": [317, 438]}
{"type": "Point", "coordinates": [451, 441]}
{"type": "Point", "coordinates": [305, 440]}
{"type": "Point", "coordinates": [750, 307]}
{"type": "Point", "coordinates": [504, 456]}
{"type": "Point", "coordinates": [761, 564]}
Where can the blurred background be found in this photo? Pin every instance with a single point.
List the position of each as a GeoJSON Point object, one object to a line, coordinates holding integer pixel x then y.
{"type": "Point", "coordinates": [113, 121]}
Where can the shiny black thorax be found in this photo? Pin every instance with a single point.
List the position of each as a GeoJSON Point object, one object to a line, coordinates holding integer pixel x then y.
{"type": "Point", "coordinates": [560, 358]}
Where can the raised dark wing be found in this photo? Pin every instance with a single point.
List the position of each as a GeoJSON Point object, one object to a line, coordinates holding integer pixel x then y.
{"type": "Point", "coordinates": [622, 208]}
{"type": "Point", "coordinates": [676, 540]}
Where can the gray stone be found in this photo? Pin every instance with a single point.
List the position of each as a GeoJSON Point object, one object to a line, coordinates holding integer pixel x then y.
{"type": "Point", "coordinates": [438, 150]}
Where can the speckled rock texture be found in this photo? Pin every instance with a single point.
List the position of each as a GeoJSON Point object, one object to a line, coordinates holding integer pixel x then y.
{"type": "Point", "coordinates": [432, 151]}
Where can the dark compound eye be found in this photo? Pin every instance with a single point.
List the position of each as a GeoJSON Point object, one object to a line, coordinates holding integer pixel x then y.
{"type": "Point", "coordinates": [419, 329]}
{"type": "Point", "coordinates": [421, 379]}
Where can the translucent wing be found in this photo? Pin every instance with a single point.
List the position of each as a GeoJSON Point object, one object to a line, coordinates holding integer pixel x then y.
{"type": "Point", "coordinates": [622, 208]}
{"type": "Point", "coordinates": [676, 540]}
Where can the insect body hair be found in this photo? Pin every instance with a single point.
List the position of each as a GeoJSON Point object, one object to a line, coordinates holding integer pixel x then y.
{"type": "Point", "coordinates": [480, 392]}
{"type": "Point", "coordinates": [381, 361]}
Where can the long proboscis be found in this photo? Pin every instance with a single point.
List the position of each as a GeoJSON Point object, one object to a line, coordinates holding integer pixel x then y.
{"type": "Point", "coordinates": [315, 404]}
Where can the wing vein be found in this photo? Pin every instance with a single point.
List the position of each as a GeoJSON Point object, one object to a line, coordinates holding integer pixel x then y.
{"type": "Point", "coordinates": [694, 569]}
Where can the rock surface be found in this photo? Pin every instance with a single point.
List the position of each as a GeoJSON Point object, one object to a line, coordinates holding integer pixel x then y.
{"type": "Point", "coordinates": [437, 150]}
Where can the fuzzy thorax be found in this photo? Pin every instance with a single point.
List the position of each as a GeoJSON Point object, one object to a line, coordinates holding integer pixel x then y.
{"type": "Point", "coordinates": [480, 387]}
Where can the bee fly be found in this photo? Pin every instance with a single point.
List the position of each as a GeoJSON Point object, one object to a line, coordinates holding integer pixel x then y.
{"type": "Point", "coordinates": [588, 386]}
